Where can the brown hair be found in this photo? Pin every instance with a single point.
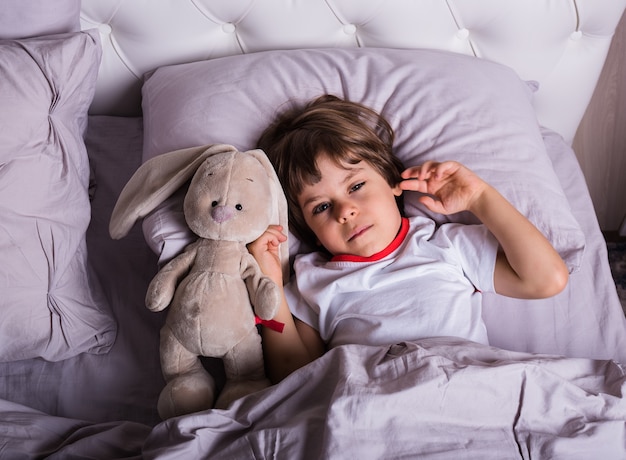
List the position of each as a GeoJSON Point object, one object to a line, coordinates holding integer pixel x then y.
{"type": "Point", "coordinates": [345, 131]}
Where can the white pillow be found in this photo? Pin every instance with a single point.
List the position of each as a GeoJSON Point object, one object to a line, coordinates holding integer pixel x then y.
{"type": "Point", "coordinates": [442, 106]}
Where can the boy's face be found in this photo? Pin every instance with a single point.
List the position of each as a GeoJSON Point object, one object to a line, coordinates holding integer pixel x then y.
{"type": "Point", "coordinates": [352, 209]}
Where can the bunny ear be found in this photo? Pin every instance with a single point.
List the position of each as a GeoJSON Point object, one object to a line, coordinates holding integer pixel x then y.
{"type": "Point", "coordinates": [280, 207]}
{"type": "Point", "coordinates": [156, 180]}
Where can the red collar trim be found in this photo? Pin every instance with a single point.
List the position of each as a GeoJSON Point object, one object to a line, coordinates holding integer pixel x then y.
{"type": "Point", "coordinates": [395, 244]}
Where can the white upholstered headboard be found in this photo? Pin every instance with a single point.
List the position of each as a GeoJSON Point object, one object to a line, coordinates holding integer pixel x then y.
{"type": "Point", "coordinates": [562, 44]}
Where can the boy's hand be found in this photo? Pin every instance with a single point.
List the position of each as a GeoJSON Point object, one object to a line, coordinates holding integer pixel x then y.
{"type": "Point", "coordinates": [528, 266]}
{"type": "Point", "coordinates": [265, 250]}
{"type": "Point", "coordinates": [449, 187]}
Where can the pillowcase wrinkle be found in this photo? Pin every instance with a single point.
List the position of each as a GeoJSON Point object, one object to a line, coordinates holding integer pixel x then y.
{"type": "Point", "coordinates": [51, 305]}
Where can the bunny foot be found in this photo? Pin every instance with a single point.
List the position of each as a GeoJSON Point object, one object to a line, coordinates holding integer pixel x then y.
{"type": "Point", "coordinates": [186, 394]}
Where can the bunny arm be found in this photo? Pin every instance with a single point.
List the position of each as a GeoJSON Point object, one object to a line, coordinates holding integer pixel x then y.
{"type": "Point", "coordinates": [265, 295]}
{"type": "Point", "coordinates": [163, 286]}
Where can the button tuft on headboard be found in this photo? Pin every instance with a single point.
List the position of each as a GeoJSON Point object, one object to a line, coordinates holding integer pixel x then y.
{"type": "Point", "coordinates": [462, 34]}
{"type": "Point", "coordinates": [228, 28]}
{"type": "Point", "coordinates": [105, 29]}
{"type": "Point", "coordinates": [576, 35]}
{"type": "Point", "coordinates": [349, 29]}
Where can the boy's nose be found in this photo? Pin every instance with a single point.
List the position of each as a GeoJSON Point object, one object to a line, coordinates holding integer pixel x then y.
{"type": "Point", "coordinates": [345, 212]}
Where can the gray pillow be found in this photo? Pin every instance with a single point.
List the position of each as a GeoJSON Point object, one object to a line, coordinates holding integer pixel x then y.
{"type": "Point", "coordinates": [442, 106]}
{"type": "Point", "coordinates": [32, 18]}
{"type": "Point", "coordinates": [50, 304]}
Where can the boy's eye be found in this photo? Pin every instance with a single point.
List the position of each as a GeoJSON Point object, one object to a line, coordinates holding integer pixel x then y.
{"type": "Point", "coordinates": [356, 187]}
{"type": "Point", "coordinates": [321, 208]}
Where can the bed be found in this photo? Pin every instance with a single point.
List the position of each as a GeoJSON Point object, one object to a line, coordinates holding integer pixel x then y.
{"type": "Point", "coordinates": [90, 90]}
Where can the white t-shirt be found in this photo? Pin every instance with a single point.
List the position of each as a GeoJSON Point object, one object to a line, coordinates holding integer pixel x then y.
{"type": "Point", "coordinates": [425, 284]}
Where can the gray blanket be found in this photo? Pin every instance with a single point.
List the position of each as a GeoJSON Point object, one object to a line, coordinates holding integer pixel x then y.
{"type": "Point", "coordinates": [438, 398]}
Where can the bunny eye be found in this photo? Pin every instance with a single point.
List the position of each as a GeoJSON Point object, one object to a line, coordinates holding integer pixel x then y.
{"type": "Point", "coordinates": [238, 207]}
{"type": "Point", "coordinates": [214, 204]}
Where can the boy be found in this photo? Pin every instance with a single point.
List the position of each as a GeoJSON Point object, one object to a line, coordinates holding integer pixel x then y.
{"type": "Point", "coordinates": [380, 278]}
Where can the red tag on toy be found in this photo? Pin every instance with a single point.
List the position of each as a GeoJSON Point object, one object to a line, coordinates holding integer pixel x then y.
{"type": "Point", "coordinates": [273, 325]}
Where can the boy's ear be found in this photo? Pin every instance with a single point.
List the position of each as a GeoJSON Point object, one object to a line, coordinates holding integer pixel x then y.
{"type": "Point", "coordinates": [397, 191]}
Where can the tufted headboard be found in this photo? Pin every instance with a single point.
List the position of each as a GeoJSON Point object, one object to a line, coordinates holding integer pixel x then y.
{"type": "Point", "coordinates": [562, 44]}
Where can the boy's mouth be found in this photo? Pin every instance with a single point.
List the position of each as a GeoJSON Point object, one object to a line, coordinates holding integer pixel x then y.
{"type": "Point", "coordinates": [358, 232]}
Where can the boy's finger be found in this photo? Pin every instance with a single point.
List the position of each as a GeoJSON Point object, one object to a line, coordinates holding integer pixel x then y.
{"type": "Point", "coordinates": [414, 184]}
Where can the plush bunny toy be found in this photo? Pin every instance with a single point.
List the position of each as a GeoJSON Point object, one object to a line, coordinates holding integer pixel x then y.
{"type": "Point", "coordinates": [213, 287]}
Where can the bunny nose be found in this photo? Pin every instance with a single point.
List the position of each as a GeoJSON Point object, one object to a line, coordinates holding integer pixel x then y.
{"type": "Point", "coordinates": [221, 214]}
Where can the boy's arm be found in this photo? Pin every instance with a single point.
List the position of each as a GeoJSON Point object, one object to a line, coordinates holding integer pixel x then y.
{"type": "Point", "coordinates": [528, 266]}
{"type": "Point", "coordinates": [298, 344]}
